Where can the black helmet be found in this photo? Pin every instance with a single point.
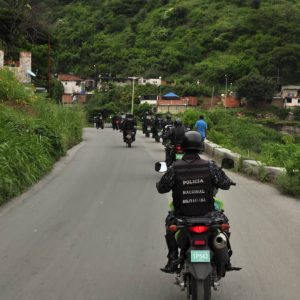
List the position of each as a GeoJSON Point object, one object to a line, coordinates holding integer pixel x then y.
{"type": "Point", "coordinates": [177, 122]}
{"type": "Point", "coordinates": [192, 141]}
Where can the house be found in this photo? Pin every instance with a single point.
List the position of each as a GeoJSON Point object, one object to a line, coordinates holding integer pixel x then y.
{"type": "Point", "coordinates": [104, 79]}
{"type": "Point", "coordinates": [290, 95]}
{"type": "Point", "coordinates": [153, 81]}
{"type": "Point", "coordinates": [21, 68]}
{"type": "Point", "coordinates": [149, 99]}
{"type": "Point", "coordinates": [174, 104]}
{"type": "Point", "coordinates": [74, 89]}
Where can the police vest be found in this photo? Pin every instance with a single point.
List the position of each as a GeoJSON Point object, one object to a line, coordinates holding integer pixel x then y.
{"type": "Point", "coordinates": [193, 192]}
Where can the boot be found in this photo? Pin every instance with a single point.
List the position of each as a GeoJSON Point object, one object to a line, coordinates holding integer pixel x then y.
{"type": "Point", "coordinates": [172, 264]}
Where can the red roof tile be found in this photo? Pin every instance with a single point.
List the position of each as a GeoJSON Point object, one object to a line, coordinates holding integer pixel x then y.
{"type": "Point", "coordinates": [66, 77]}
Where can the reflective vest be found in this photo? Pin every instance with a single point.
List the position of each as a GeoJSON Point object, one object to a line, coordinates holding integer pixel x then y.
{"type": "Point", "coordinates": [193, 191]}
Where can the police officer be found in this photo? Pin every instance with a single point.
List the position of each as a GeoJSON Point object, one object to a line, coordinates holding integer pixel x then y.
{"type": "Point", "coordinates": [157, 124]}
{"type": "Point", "coordinates": [168, 121]}
{"type": "Point", "coordinates": [192, 181]}
{"type": "Point", "coordinates": [176, 136]}
{"type": "Point", "coordinates": [147, 121]}
{"type": "Point", "coordinates": [129, 123]}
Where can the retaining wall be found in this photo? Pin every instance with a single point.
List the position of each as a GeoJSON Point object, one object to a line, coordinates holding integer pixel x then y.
{"type": "Point", "coordinates": [250, 167]}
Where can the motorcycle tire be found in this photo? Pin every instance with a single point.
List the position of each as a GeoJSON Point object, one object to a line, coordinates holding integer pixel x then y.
{"type": "Point", "coordinates": [201, 289]}
{"type": "Point", "coordinates": [157, 139]}
{"type": "Point", "coordinates": [147, 134]}
{"type": "Point", "coordinates": [129, 145]}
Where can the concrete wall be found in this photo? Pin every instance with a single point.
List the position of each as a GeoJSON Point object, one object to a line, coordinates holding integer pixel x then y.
{"type": "Point", "coordinates": [1, 58]}
{"type": "Point", "coordinates": [22, 67]}
{"type": "Point", "coordinates": [71, 87]}
{"type": "Point", "coordinates": [25, 65]}
{"type": "Point", "coordinates": [250, 167]}
{"type": "Point", "coordinates": [173, 109]}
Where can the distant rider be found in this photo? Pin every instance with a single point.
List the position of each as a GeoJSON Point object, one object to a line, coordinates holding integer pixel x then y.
{"type": "Point", "coordinates": [176, 136]}
{"type": "Point", "coordinates": [129, 123]}
{"type": "Point", "coordinates": [147, 121]}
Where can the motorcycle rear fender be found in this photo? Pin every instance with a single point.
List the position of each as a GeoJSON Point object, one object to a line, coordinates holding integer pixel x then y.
{"type": "Point", "coordinates": [200, 270]}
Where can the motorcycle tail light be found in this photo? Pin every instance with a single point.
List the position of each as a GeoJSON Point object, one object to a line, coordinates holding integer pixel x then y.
{"type": "Point", "coordinates": [173, 228]}
{"type": "Point", "coordinates": [199, 242]}
{"type": "Point", "coordinates": [198, 229]}
{"type": "Point", "coordinates": [224, 227]}
{"type": "Point", "coordinates": [178, 148]}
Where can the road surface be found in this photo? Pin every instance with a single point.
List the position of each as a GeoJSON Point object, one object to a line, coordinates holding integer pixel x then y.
{"type": "Point", "coordinates": [94, 229]}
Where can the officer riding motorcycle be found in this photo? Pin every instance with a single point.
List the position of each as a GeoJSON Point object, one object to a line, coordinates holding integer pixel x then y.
{"type": "Point", "coordinates": [176, 136]}
{"type": "Point", "coordinates": [147, 124]}
{"type": "Point", "coordinates": [192, 181]}
{"type": "Point", "coordinates": [129, 127]}
{"type": "Point", "coordinates": [157, 127]}
{"type": "Point", "coordinates": [99, 121]}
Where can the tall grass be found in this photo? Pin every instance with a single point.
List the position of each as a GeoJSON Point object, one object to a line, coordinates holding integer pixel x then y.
{"type": "Point", "coordinates": [34, 133]}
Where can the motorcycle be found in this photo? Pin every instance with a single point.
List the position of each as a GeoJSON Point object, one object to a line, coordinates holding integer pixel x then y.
{"type": "Point", "coordinates": [147, 130]}
{"type": "Point", "coordinates": [129, 138]}
{"type": "Point", "coordinates": [158, 134]}
{"type": "Point", "coordinates": [173, 153]}
{"type": "Point", "coordinates": [205, 248]}
{"type": "Point", "coordinates": [100, 124]}
{"type": "Point", "coordinates": [205, 253]}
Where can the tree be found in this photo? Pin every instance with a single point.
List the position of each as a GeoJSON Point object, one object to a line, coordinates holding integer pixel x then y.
{"type": "Point", "coordinates": [255, 88]}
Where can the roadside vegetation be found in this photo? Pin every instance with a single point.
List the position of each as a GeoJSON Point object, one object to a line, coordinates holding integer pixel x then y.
{"type": "Point", "coordinates": [240, 133]}
{"type": "Point", "coordinates": [34, 133]}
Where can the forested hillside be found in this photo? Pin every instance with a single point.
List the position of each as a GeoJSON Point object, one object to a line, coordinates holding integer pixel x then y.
{"type": "Point", "coordinates": [186, 40]}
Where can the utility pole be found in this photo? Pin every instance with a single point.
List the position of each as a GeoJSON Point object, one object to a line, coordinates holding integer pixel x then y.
{"type": "Point", "coordinates": [49, 66]}
{"type": "Point", "coordinates": [132, 98]}
{"type": "Point", "coordinates": [226, 87]}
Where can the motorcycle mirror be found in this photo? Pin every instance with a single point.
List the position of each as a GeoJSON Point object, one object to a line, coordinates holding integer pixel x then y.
{"type": "Point", "coordinates": [161, 167]}
{"type": "Point", "coordinates": [227, 163]}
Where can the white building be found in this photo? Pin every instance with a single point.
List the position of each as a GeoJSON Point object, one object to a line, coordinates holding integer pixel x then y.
{"type": "Point", "coordinates": [290, 95]}
{"type": "Point", "coordinates": [72, 84]}
{"type": "Point", "coordinates": [153, 81]}
{"type": "Point", "coordinates": [21, 68]}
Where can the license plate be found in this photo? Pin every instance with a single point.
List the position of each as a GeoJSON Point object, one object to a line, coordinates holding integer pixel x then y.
{"type": "Point", "coordinates": [200, 256]}
{"type": "Point", "coordinates": [129, 136]}
{"type": "Point", "coordinates": [179, 156]}
{"type": "Point", "coordinates": [148, 128]}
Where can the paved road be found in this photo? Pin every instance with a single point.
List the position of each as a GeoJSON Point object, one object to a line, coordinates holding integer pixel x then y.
{"type": "Point", "coordinates": [94, 229]}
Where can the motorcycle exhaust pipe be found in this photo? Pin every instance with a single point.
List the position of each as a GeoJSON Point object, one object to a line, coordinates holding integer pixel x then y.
{"type": "Point", "coordinates": [220, 241]}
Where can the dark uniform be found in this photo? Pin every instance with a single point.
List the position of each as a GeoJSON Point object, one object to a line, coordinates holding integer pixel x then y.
{"type": "Point", "coordinates": [192, 181]}
{"type": "Point", "coordinates": [129, 123]}
{"type": "Point", "coordinates": [176, 136]}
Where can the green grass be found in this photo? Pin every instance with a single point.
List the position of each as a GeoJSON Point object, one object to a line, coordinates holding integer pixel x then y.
{"type": "Point", "coordinates": [34, 133]}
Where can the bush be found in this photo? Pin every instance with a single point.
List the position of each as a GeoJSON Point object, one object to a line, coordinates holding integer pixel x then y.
{"type": "Point", "coordinates": [296, 112]}
{"type": "Point", "coordinates": [11, 89]}
{"type": "Point", "coordinates": [289, 184]}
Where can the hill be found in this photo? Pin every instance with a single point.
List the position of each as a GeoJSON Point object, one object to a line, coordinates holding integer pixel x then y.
{"type": "Point", "coordinates": [187, 40]}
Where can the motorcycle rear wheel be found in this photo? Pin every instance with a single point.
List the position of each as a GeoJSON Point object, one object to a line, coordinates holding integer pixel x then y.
{"type": "Point", "coordinates": [201, 289]}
